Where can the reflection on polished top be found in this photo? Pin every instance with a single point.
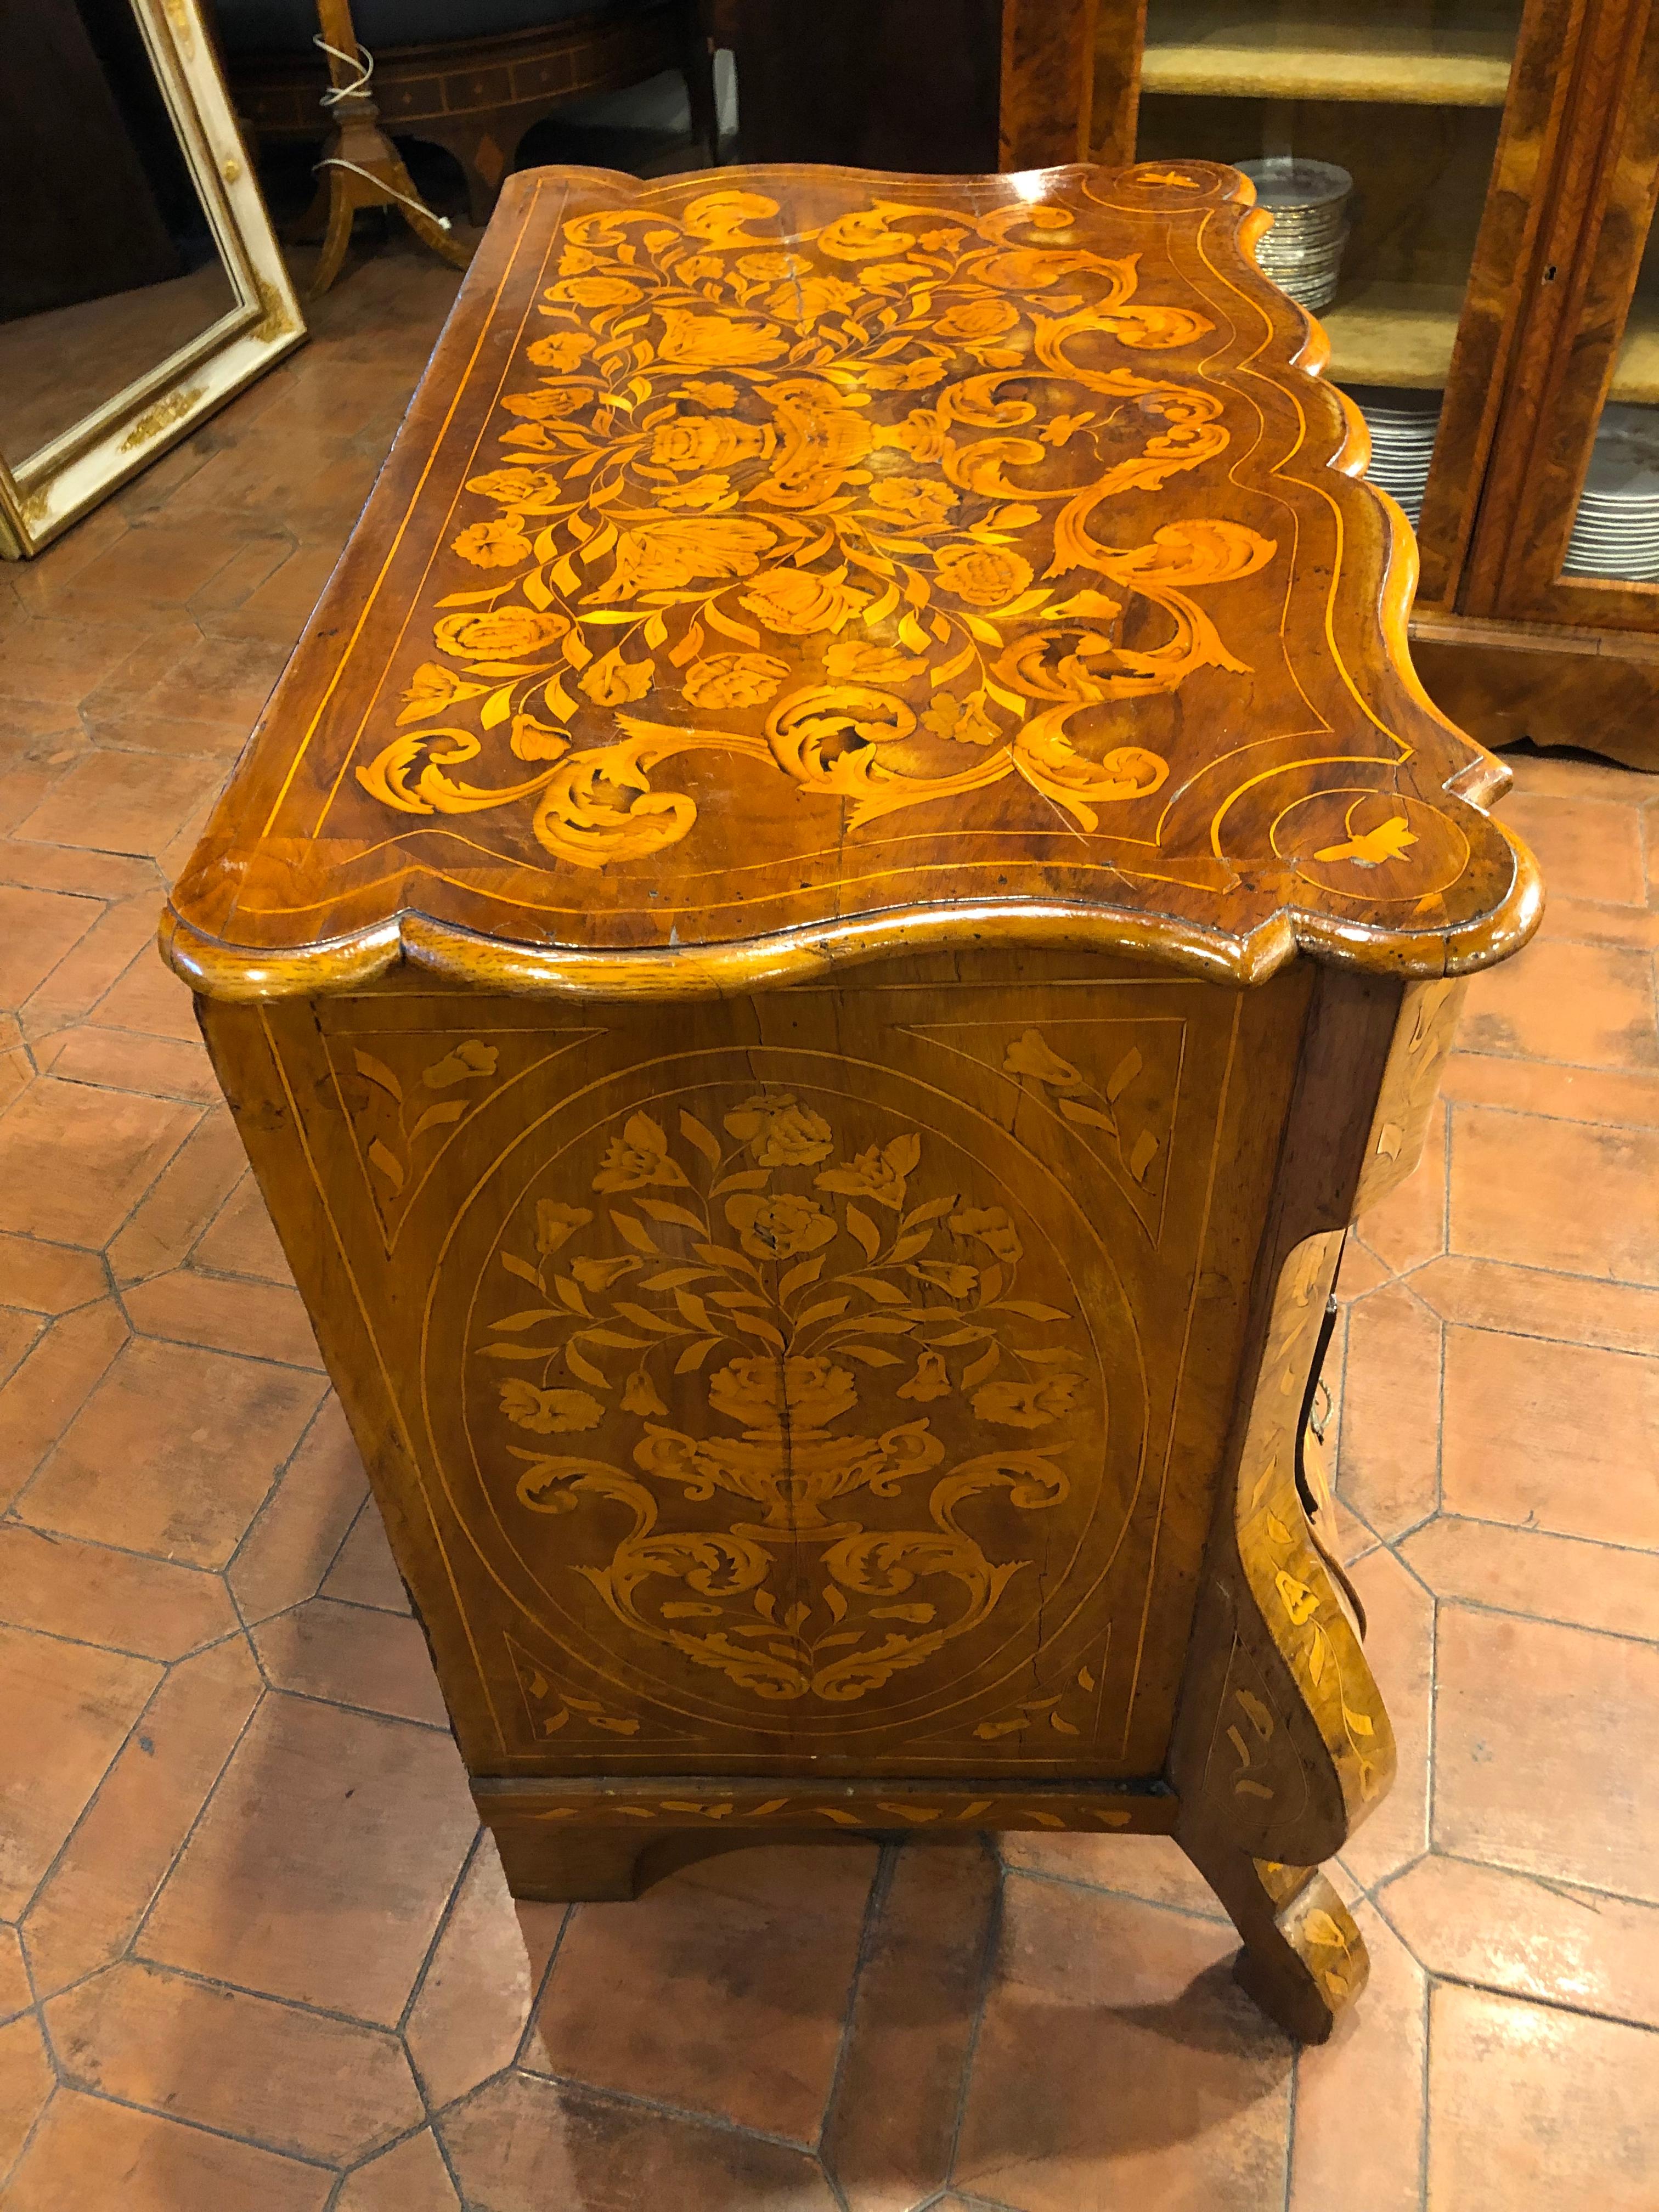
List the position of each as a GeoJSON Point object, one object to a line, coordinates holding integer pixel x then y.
{"type": "Point", "coordinates": [778, 569]}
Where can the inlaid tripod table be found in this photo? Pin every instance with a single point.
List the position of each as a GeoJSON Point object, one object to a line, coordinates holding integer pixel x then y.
{"type": "Point", "coordinates": [847, 892]}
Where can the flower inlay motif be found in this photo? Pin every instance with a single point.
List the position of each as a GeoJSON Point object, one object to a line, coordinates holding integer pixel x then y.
{"type": "Point", "coordinates": [767, 1325]}
{"type": "Point", "coordinates": [840, 507]}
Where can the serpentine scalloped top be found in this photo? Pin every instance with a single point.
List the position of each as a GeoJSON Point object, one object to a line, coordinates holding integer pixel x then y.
{"type": "Point", "coordinates": [783, 565]}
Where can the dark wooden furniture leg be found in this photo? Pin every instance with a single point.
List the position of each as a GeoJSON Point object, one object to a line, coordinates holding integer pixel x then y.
{"type": "Point", "coordinates": [697, 67]}
{"type": "Point", "coordinates": [360, 168]}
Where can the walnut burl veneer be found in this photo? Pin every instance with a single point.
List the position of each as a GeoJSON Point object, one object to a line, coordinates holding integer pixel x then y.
{"type": "Point", "coordinates": [847, 891]}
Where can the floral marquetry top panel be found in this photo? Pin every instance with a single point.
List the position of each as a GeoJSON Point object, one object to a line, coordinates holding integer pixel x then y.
{"type": "Point", "coordinates": [779, 566]}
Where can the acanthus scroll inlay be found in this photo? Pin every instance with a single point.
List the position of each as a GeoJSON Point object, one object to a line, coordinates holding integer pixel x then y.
{"type": "Point", "coordinates": [835, 502]}
{"type": "Point", "coordinates": [802, 1392]}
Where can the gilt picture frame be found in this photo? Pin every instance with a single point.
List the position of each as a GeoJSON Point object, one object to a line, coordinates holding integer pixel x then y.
{"type": "Point", "coordinates": [44, 492]}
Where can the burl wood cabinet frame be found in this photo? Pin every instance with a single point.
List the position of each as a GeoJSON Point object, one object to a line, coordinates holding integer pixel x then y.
{"type": "Point", "coordinates": [1509, 646]}
{"type": "Point", "coordinates": [848, 893]}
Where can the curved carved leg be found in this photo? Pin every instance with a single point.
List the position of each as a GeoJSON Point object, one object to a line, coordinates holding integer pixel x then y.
{"type": "Point", "coordinates": [314, 222]}
{"type": "Point", "coordinates": [427, 228]}
{"type": "Point", "coordinates": [343, 207]}
{"type": "Point", "coordinates": [1303, 1960]}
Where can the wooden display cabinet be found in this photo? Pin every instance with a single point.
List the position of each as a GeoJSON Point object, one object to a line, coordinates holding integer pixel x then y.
{"type": "Point", "coordinates": [1505, 158]}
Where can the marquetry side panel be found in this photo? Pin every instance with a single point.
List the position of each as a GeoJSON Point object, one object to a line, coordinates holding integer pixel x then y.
{"type": "Point", "coordinates": [836, 1379]}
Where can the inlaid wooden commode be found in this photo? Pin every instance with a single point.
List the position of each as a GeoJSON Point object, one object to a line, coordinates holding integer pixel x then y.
{"type": "Point", "coordinates": [847, 891]}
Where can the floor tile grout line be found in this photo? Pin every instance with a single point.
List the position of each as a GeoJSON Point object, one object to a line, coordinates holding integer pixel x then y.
{"type": "Point", "coordinates": [115, 1551]}
{"type": "Point", "coordinates": [321, 1596]}
{"type": "Point", "coordinates": [1375, 1896]}
{"type": "Point", "coordinates": [116, 1651]}
{"type": "Point", "coordinates": [188, 1266]}
{"type": "Point", "coordinates": [228, 1988]}
{"type": "Point", "coordinates": [81, 2087]}
{"type": "Point", "coordinates": [13, 1510]}
{"type": "Point", "coordinates": [1540, 1112]}
{"type": "Point", "coordinates": [1556, 1883]}
{"type": "Point", "coordinates": [633, 2100]}
{"type": "Point", "coordinates": [92, 1797]}
{"type": "Point", "coordinates": [80, 1252]}
{"type": "Point", "coordinates": [1535, 1997]}
{"type": "Point", "coordinates": [1426, 2122]}
{"type": "Point", "coordinates": [979, 2203]}
{"type": "Point", "coordinates": [1047, 1877]}
{"type": "Point", "coordinates": [1509, 1266]}
{"type": "Point", "coordinates": [1543, 1620]}
{"type": "Point", "coordinates": [131, 1949]}
{"type": "Point", "coordinates": [123, 1551]}
{"type": "Point", "coordinates": [469, 1857]}
{"type": "Point", "coordinates": [41, 1329]}
{"type": "Point", "coordinates": [544, 1981]}
{"type": "Point", "coordinates": [441, 2145]}
{"type": "Point", "coordinates": [1527, 1335]}
{"type": "Point", "coordinates": [875, 1905]}
{"type": "Point", "coordinates": [142, 1335]}
{"type": "Point", "coordinates": [219, 1212]}
{"type": "Point", "coordinates": [7, 2172]}
{"type": "Point", "coordinates": [1431, 1777]}
{"type": "Point", "coordinates": [453, 2105]}
{"type": "Point", "coordinates": [423, 2126]}
{"type": "Point", "coordinates": [1567, 1066]}
{"type": "Point", "coordinates": [992, 1947]}
{"type": "Point", "coordinates": [339, 1704]}
{"type": "Point", "coordinates": [1391, 1545]}
{"type": "Point", "coordinates": [368, 1501]}
{"type": "Point", "coordinates": [1292, 2082]}
{"type": "Point", "coordinates": [251, 1617]}
{"type": "Point", "coordinates": [102, 1082]}
{"type": "Point", "coordinates": [1486, 1521]}
{"type": "Point", "coordinates": [279, 1477]}
{"type": "Point", "coordinates": [202, 1110]}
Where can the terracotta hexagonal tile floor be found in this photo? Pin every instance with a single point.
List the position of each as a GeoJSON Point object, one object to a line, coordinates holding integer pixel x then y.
{"type": "Point", "coordinates": [253, 1952]}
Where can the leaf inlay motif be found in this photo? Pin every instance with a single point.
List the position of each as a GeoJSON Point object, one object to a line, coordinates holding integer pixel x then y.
{"type": "Point", "coordinates": [837, 506]}
{"type": "Point", "coordinates": [773, 1336]}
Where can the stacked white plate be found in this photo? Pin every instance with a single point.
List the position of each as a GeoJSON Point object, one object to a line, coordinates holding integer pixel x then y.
{"type": "Point", "coordinates": [1402, 425]}
{"type": "Point", "coordinates": [1615, 533]}
{"type": "Point", "coordinates": [1308, 201]}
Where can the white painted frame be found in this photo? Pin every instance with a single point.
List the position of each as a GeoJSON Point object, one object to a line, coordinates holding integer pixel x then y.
{"type": "Point", "coordinates": [43, 494]}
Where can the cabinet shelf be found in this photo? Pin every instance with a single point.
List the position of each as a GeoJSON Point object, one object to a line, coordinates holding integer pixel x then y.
{"type": "Point", "coordinates": [1300, 52]}
{"type": "Point", "coordinates": [1396, 334]}
{"type": "Point", "coordinates": [1636, 373]}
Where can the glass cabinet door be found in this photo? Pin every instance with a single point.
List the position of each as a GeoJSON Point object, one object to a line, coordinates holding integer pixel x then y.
{"type": "Point", "coordinates": [1575, 539]}
{"type": "Point", "coordinates": [1408, 97]}
{"type": "Point", "coordinates": [1405, 95]}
